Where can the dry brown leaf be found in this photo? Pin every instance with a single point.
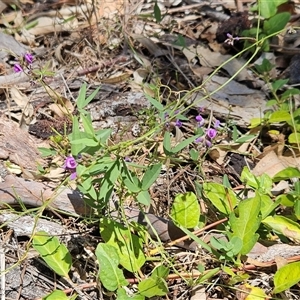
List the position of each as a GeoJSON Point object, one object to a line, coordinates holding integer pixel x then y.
{"type": "Point", "coordinates": [199, 293]}
{"type": "Point", "coordinates": [109, 8]}
{"type": "Point", "coordinates": [233, 99]}
{"type": "Point", "coordinates": [217, 154]}
{"type": "Point", "coordinates": [20, 99]}
{"type": "Point", "coordinates": [270, 164]}
{"type": "Point", "coordinates": [24, 104]}
{"type": "Point", "coordinates": [140, 75]}
{"type": "Point", "coordinates": [209, 58]}
{"type": "Point", "coordinates": [280, 261]}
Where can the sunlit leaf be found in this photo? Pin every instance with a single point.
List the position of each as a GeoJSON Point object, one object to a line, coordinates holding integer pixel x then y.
{"type": "Point", "coordinates": [110, 274]}
{"type": "Point", "coordinates": [223, 199]}
{"type": "Point", "coordinates": [186, 210]}
{"type": "Point", "coordinates": [246, 223]}
{"type": "Point", "coordinates": [286, 277]}
{"type": "Point", "coordinates": [151, 175]}
{"type": "Point", "coordinates": [128, 245]}
{"type": "Point", "coordinates": [284, 226]}
{"type": "Point", "coordinates": [55, 254]}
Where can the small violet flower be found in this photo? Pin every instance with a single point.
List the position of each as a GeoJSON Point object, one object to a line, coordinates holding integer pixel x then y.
{"type": "Point", "coordinates": [18, 68]}
{"type": "Point", "coordinates": [127, 159]}
{"type": "Point", "coordinates": [178, 123]}
{"type": "Point", "coordinates": [217, 124]}
{"type": "Point", "coordinates": [199, 140]}
{"type": "Point", "coordinates": [28, 58]}
{"type": "Point", "coordinates": [70, 165]}
{"type": "Point", "coordinates": [208, 143]}
{"type": "Point", "coordinates": [200, 120]}
{"type": "Point", "coordinates": [211, 133]}
{"type": "Point", "coordinates": [230, 39]}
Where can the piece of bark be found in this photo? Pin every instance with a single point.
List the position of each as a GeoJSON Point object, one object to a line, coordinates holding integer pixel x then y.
{"type": "Point", "coordinates": [9, 46]}
{"type": "Point", "coordinates": [15, 190]}
{"type": "Point", "coordinates": [27, 225]}
{"type": "Point", "coordinates": [19, 145]}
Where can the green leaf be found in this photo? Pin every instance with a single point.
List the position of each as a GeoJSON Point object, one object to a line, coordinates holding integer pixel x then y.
{"type": "Point", "coordinates": [286, 200]}
{"type": "Point", "coordinates": [267, 205]}
{"type": "Point", "coordinates": [58, 295]}
{"type": "Point", "coordinates": [284, 226]}
{"type": "Point", "coordinates": [248, 178]}
{"type": "Point", "coordinates": [55, 254]}
{"type": "Point", "coordinates": [167, 144]}
{"type": "Point", "coordinates": [87, 125]}
{"type": "Point", "coordinates": [194, 154]}
{"type": "Point", "coordinates": [129, 246]}
{"type": "Point", "coordinates": [90, 142]}
{"type": "Point", "coordinates": [268, 8]}
{"type": "Point", "coordinates": [286, 277]}
{"type": "Point", "coordinates": [156, 284]}
{"type": "Point", "coordinates": [185, 143]}
{"type": "Point", "coordinates": [150, 176]}
{"type": "Point", "coordinates": [81, 101]}
{"type": "Point", "coordinates": [102, 135]}
{"type": "Point", "coordinates": [144, 198]}
{"type": "Point", "coordinates": [157, 12]}
{"type": "Point", "coordinates": [46, 151]}
{"type": "Point", "coordinates": [151, 287]}
{"type": "Point", "coordinates": [247, 222]}
{"type": "Point", "coordinates": [294, 138]}
{"type": "Point", "coordinates": [207, 276]}
{"type": "Point", "coordinates": [108, 182]}
{"type": "Point", "coordinates": [91, 96]}
{"type": "Point", "coordinates": [81, 97]}
{"type": "Point", "coordinates": [222, 198]}
{"type": "Point", "coordinates": [288, 93]}
{"type": "Point", "coordinates": [186, 210]}
{"type": "Point", "coordinates": [160, 272]}
{"type": "Point", "coordinates": [110, 274]}
{"type": "Point", "coordinates": [245, 138]}
{"type": "Point", "coordinates": [155, 103]}
{"type": "Point", "coordinates": [130, 180]}
{"type": "Point", "coordinates": [264, 67]}
{"type": "Point", "coordinates": [297, 208]}
{"type": "Point", "coordinates": [286, 174]}
{"type": "Point", "coordinates": [279, 116]}
{"type": "Point", "coordinates": [75, 135]}
{"type": "Point", "coordinates": [278, 84]}
{"type": "Point", "coordinates": [276, 23]}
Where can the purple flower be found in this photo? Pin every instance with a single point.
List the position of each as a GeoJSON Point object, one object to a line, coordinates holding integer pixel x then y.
{"type": "Point", "coordinates": [199, 140]}
{"type": "Point", "coordinates": [28, 58]}
{"type": "Point", "coordinates": [73, 175]}
{"type": "Point", "coordinates": [208, 143]}
{"type": "Point", "coordinates": [127, 159]}
{"type": "Point", "coordinates": [178, 123]}
{"type": "Point", "coordinates": [217, 124]}
{"type": "Point", "coordinates": [70, 165]}
{"type": "Point", "coordinates": [230, 39]}
{"type": "Point", "coordinates": [200, 120]}
{"type": "Point", "coordinates": [211, 133]}
{"type": "Point", "coordinates": [18, 68]}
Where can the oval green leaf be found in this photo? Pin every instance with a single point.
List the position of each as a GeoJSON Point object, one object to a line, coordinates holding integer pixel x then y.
{"type": "Point", "coordinates": [186, 210]}
{"type": "Point", "coordinates": [110, 274]}
{"type": "Point", "coordinates": [55, 254]}
{"type": "Point", "coordinates": [286, 277]}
